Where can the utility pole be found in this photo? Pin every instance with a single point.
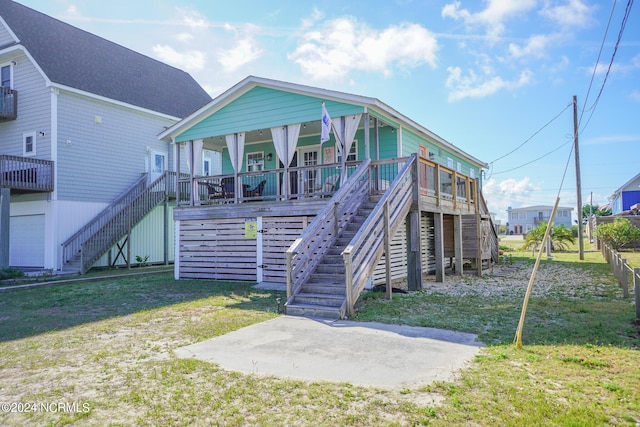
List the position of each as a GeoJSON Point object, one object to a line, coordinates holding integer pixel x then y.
{"type": "Point", "coordinates": [578, 180]}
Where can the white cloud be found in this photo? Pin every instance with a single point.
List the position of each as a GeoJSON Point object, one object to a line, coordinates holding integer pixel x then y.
{"type": "Point", "coordinates": [535, 47]}
{"type": "Point", "coordinates": [510, 192]}
{"type": "Point", "coordinates": [345, 44]}
{"type": "Point", "coordinates": [193, 19]}
{"type": "Point", "coordinates": [191, 60]}
{"type": "Point", "coordinates": [473, 85]}
{"type": "Point", "coordinates": [185, 37]}
{"type": "Point", "coordinates": [616, 67]}
{"type": "Point", "coordinates": [492, 18]}
{"type": "Point", "coordinates": [572, 14]}
{"type": "Point", "coordinates": [612, 139]}
{"type": "Point", "coordinates": [243, 52]}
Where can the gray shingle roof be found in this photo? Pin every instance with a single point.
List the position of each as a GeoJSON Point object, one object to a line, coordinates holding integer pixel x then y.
{"type": "Point", "coordinates": [73, 57]}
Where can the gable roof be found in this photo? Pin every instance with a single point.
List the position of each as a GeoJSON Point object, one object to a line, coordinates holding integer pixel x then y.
{"type": "Point", "coordinates": [625, 185]}
{"type": "Point", "coordinates": [369, 104]}
{"type": "Point", "coordinates": [77, 59]}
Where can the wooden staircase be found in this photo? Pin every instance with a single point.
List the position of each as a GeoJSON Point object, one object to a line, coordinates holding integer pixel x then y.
{"type": "Point", "coordinates": [88, 244]}
{"type": "Point", "coordinates": [324, 293]}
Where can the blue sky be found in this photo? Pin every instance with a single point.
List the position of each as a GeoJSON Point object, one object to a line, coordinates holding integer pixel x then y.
{"type": "Point", "coordinates": [485, 75]}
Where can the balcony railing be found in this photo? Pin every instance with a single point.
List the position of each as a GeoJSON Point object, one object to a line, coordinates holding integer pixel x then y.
{"type": "Point", "coordinates": [8, 104]}
{"type": "Point", "coordinates": [25, 174]}
{"type": "Point", "coordinates": [435, 183]}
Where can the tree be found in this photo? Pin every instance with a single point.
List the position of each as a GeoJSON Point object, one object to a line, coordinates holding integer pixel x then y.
{"type": "Point", "coordinates": [617, 233]}
{"type": "Point", "coordinates": [587, 210]}
{"type": "Point", "coordinates": [561, 237]}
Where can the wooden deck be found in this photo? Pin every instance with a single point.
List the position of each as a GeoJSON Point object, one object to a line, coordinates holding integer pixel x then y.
{"type": "Point", "coordinates": [285, 237]}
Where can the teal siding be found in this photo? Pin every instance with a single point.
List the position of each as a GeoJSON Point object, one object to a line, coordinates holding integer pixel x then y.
{"type": "Point", "coordinates": [411, 144]}
{"type": "Point", "coordinates": [262, 108]}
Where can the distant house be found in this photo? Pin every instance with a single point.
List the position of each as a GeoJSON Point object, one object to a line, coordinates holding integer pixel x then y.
{"type": "Point", "coordinates": [524, 219]}
{"type": "Point", "coordinates": [79, 119]}
{"type": "Point", "coordinates": [625, 197]}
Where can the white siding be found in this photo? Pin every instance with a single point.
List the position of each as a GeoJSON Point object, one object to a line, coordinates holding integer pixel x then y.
{"type": "Point", "coordinates": [26, 241]}
{"type": "Point", "coordinates": [147, 239]}
{"type": "Point", "coordinates": [102, 148]}
{"type": "Point", "coordinates": [5, 36]}
{"type": "Point", "coordinates": [34, 112]}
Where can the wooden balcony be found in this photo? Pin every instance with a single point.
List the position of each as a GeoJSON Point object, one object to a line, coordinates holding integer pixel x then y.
{"type": "Point", "coordinates": [314, 185]}
{"type": "Point", "coordinates": [8, 104]}
{"type": "Point", "coordinates": [26, 175]}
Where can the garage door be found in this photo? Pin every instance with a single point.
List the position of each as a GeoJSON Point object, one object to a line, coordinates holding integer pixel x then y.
{"type": "Point", "coordinates": [26, 241]}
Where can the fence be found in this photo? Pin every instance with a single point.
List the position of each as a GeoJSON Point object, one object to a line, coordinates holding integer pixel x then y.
{"type": "Point", "coordinates": [621, 271]}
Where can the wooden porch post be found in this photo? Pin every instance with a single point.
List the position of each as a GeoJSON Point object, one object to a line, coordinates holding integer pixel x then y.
{"type": "Point", "coordinates": [5, 201]}
{"type": "Point", "coordinates": [285, 162]}
{"type": "Point", "coordinates": [457, 240]}
{"type": "Point", "coordinates": [238, 186]}
{"type": "Point", "coordinates": [177, 174]}
{"type": "Point", "coordinates": [191, 169]}
{"type": "Point", "coordinates": [438, 228]}
{"type": "Point", "coordinates": [367, 149]}
{"type": "Point", "coordinates": [376, 137]}
{"type": "Point", "coordinates": [387, 251]}
{"type": "Point", "coordinates": [479, 243]}
{"type": "Point", "coordinates": [414, 252]}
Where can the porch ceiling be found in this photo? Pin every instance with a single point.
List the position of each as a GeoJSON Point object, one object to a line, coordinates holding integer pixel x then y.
{"type": "Point", "coordinates": [217, 142]}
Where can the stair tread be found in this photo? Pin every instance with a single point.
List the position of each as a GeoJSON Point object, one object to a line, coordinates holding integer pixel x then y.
{"type": "Point", "coordinates": [317, 295]}
{"type": "Point", "coordinates": [314, 306]}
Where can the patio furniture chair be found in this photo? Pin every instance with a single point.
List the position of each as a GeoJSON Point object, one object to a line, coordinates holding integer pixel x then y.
{"type": "Point", "coordinates": [224, 190]}
{"type": "Point", "coordinates": [257, 191]}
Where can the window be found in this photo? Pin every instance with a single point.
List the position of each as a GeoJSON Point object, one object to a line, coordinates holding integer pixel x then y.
{"type": "Point", "coordinates": [353, 152]}
{"type": "Point", "coordinates": [472, 173]}
{"type": "Point", "coordinates": [459, 167]}
{"type": "Point", "coordinates": [563, 214]}
{"type": "Point", "coordinates": [255, 161]}
{"type": "Point", "coordinates": [450, 163]}
{"type": "Point", "coordinates": [5, 76]}
{"type": "Point", "coordinates": [29, 144]}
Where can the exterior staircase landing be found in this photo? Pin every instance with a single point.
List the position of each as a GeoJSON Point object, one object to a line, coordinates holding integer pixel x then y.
{"type": "Point", "coordinates": [324, 294]}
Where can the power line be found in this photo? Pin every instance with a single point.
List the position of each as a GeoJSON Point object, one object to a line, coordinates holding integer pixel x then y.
{"type": "Point", "coordinates": [613, 55]}
{"type": "Point", "coordinates": [532, 136]}
{"type": "Point", "coordinates": [595, 68]}
{"type": "Point", "coordinates": [532, 161]}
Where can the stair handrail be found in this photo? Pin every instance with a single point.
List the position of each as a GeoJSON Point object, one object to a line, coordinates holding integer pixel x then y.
{"type": "Point", "coordinates": [365, 248]}
{"type": "Point", "coordinates": [122, 222]}
{"type": "Point", "coordinates": [306, 251]}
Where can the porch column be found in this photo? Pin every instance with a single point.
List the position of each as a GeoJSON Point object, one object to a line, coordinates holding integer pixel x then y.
{"type": "Point", "coordinates": [438, 228]}
{"type": "Point", "coordinates": [177, 173]}
{"type": "Point", "coordinates": [367, 152]}
{"type": "Point", "coordinates": [5, 195]}
{"type": "Point", "coordinates": [414, 251]}
{"type": "Point", "coordinates": [376, 139]}
{"type": "Point", "coordinates": [457, 241]}
{"type": "Point", "coordinates": [191, 168]}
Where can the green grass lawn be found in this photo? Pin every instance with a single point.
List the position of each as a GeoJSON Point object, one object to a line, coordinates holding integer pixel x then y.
{"type": "Point", "coordinates": [108, 346]}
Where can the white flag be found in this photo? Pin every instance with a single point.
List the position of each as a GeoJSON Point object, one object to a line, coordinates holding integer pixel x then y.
{"type": "Point", "coordinates": [325, 125]}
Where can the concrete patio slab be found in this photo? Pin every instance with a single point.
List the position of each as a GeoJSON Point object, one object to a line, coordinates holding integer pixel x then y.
{"type": "Point", "coordinates": [360, 353]}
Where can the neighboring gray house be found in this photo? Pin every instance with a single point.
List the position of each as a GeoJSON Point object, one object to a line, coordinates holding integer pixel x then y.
{"type": "Point", "coordinates": [524, 219]}
{"type": "Point", "coordinates": [79, 119]}
{"type": "Point", "coordinates": [625, 197]}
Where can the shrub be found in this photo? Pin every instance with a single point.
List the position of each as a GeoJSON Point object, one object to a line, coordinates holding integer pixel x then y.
{"type": "Point", "coordinates": [617, 233]}
{"type": "Point", "coordinates": [10, 273]}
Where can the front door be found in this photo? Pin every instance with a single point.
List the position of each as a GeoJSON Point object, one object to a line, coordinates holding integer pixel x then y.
{"type": "Point", "coordinates": [310, 179]}
{"type": "Point", "coordinates": [158, 164]}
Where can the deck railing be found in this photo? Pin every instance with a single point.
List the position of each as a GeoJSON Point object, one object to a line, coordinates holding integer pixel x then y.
{"type": "Point", "coordinates": [307, 251]}
{"type": "Point", "coordinates": [362, 254]}
{"type": "Point", "coordinates": [26, 174]}
{"type": "Point", "coordinates": [304, 182]}
{"type": "Point", "coordinates": [443, 186]}
{"type": "Point", "coordinates": [8, 104]}
{"type": "Point", "coordinates": [437, 182]}
{"type": "Point", "coordinates": [89, 243]}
